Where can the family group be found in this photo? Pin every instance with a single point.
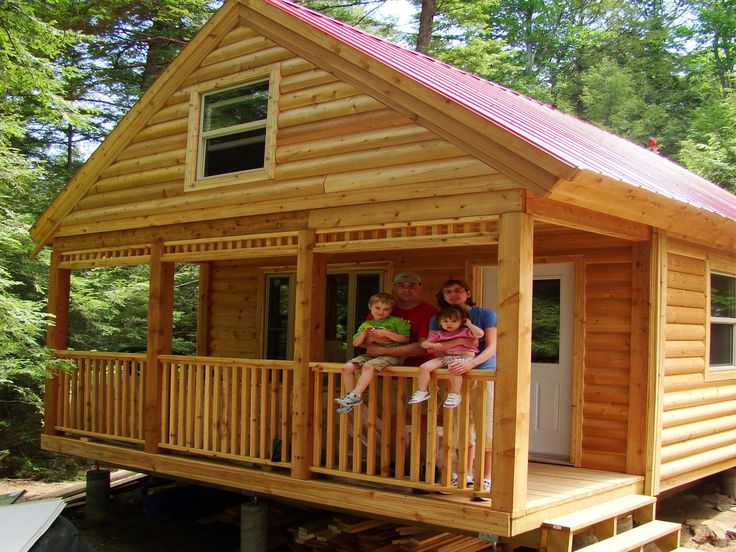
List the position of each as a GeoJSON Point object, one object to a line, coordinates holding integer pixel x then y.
{"type": "Point", "coordinates": [402, 329]}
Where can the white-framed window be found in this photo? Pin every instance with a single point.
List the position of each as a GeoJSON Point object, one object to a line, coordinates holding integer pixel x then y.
{"type": "Point", "coordinates": [722, 350]}
{"type": "Point", "coordinates": [233, 135]}
{"type": "Point", "coordinates": [278, 339]}
{"type": "Point", "coordinates": [232, 129]}
{"type": "Point", "coordinates": [347, 294]}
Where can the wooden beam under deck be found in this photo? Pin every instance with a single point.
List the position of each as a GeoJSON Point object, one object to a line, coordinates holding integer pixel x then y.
{"type": "Point", "coordinates": [552, 490]}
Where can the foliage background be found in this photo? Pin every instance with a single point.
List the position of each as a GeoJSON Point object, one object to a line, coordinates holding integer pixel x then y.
{"type": "Point", "coordinates": [69, 70]}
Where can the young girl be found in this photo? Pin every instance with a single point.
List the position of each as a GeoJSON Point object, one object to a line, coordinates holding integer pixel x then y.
{"type": "Point", "coordinates": [454, 324]}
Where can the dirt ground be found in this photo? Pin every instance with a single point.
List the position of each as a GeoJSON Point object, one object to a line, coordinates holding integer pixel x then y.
{"type": "Point", "coordinates": [135, 524]}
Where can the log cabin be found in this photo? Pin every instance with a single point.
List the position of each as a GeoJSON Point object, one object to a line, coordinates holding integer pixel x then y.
{"type": "Point", "coordinates": [300, 163]}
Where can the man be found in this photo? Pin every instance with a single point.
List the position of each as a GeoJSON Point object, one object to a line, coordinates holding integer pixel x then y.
{"type": "Point", "coordinates": [407, 290]}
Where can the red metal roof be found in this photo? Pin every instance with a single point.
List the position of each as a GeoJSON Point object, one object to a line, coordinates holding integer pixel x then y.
{"type": "Point", "coordinates": [571, 140]}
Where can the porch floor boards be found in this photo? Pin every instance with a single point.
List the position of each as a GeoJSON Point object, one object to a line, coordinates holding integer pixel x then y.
{"type": "Point", "coordinates": [553, 490]}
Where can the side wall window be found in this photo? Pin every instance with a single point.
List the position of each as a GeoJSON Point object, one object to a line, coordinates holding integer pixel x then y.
{"type": "Point", "coordinates": [722, 321]}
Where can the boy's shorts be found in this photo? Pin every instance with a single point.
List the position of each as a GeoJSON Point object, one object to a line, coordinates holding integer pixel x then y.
{"type": "Point", "coordinates": [379, 362]}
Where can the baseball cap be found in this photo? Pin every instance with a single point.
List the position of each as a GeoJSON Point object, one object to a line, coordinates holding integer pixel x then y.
{"type": "Point", "coordinates": [412, 277]}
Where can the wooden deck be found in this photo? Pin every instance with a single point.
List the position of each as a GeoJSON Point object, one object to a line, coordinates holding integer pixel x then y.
{"type": "Point", "coordinates": [552, 490]}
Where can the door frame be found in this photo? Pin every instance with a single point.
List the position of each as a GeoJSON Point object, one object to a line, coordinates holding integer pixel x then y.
{"type": "Point", "coordinates": [475, 268]}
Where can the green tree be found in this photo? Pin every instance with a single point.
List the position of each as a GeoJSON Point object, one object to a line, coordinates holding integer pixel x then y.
{"type": "Point", "coordinates": [710, 148]}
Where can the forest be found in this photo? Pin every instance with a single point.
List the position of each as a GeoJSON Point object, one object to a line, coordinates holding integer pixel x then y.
{"type": "Point", "coordinates": [647, 70]}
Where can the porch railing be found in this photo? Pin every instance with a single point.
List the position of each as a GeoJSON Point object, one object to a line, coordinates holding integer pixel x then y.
{"type": "Point", "coordinates": [103, 396]}
{"type": "Point", "coordinates": [387, 440]}
{"type": "Point", "coordinates": [240, 409]}
{"type": "Point", "coordinates": [224, 407]}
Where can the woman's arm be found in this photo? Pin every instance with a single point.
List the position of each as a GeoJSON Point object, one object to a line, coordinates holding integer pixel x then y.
{"type": "Point", "coordinates": [490, 338]}
{"type": "Point", "coordinates": [460, 367]}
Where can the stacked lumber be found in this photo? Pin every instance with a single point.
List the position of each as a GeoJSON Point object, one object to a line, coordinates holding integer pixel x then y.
{"type": "Point", "coordinates": [76, 494]}
{"type": "Point", "coordinates": [349, 533]}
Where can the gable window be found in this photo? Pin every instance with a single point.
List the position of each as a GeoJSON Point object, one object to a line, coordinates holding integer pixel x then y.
{"type": "Point", "coordinates": [722, 321]}
{"type": "Point", "coordinates": [233, 134]}
{"type": "Point", "coordinates": [232, 128]}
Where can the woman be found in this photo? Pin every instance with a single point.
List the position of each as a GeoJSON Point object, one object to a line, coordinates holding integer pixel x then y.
{"type": "Point", "coordinates": [457, 293]}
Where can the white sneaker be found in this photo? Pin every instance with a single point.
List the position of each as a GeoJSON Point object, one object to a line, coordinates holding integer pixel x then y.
{"type": "Point", "coordinates": [419, 396]}
{"type": "Point", "coordinates": [486, 484]}
{"type": "Point", "coordinates": [349, 399]}
{"type": "Point", "coordinates": [452, 400]}
{"type": "Point", "coordinates": [453, 479]}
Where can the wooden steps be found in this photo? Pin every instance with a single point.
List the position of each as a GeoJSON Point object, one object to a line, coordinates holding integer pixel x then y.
{"type": "Point", "coordinates": [663, 533]}
{"type": "Point", "coordinates": [608, 522]}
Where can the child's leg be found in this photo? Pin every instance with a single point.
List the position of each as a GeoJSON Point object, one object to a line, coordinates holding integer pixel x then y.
{"type": "Point", "coordinates": [456, 383]}
{"type": "Point", "coordinates": [366, 375]}
{"type": "Point", "coordinates": [425, 371]}
{"type": "Point", "coordinates": [348, 375]}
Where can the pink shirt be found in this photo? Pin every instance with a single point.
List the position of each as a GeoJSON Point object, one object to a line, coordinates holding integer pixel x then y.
{"type": "Point", "coordinates": [463, 332]}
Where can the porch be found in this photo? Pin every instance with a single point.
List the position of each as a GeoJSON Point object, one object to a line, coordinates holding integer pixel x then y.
{"type": "Point", "coordinates": [230, 422]}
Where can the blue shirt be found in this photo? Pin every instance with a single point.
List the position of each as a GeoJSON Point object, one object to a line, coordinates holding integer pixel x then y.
{"type": "Point", "coordinates": [483, 318]}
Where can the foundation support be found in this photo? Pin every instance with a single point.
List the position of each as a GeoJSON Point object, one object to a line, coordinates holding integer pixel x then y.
{"type": "Point", "coordinates": [254, 525]}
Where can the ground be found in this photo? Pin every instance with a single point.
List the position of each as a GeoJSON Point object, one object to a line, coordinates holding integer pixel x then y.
{"type": "Point", "coordinates": [708, 518]}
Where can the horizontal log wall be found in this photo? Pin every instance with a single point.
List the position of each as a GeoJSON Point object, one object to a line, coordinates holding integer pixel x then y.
{"type": "Point", "coordinates": [608, 312]}
{"type": "Point", "coordinates": [699, 418]}
{"type": "Point", "coordinates": [332, 141]}
{"type": "Point", "coordinates": [234, 329]}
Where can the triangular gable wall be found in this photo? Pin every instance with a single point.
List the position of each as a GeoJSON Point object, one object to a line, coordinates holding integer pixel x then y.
{"type": "Point", "coordinates": [335, 145]}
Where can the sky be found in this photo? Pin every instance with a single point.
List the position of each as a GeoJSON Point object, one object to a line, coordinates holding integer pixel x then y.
{"type": "Point", "coordinates": [402, 10]}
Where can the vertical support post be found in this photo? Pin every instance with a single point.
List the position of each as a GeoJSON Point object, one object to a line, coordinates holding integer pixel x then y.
{"type": "Point", "coordinates": [203, 310]}
{"type": "Point", "coordinates": [513, 374]}
{"type": "Point", "coordinates": [655, 383]}
{"type": "Point", "coordinates": [160, 330]}
{"type": "Point", "coordinates": [57, 335]}
{"type": "Point", "coordinates": [638, 374]}
{"type": "Point", "coordinates": [309, 331]}
{"type": "Point", "coordinates": [254, 526]}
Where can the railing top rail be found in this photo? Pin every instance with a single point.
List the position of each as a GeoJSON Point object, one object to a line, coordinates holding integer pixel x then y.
{"type": "Point", "coordinates": [66, 353]}
{"type": "Point", "coordinates": [255, 362]}
{"type": "Point", "coordinates": [404, 371]}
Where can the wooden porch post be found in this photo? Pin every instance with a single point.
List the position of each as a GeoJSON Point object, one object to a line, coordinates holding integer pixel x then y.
{"type": "Point", "coordinates": [160, 330]}
{"type": "Point", "coordinates": [513, 375]}
{"type": "Point", "coordinates": [309, 332]}
{"type": "Point", "coordinates": [203, 312]}
{"type": "Point", "coordinates": [57, 335]}
{"type": "Point", "coordinates": [655, 359]}
{"type": "Point", "coordinates": [638, 375]}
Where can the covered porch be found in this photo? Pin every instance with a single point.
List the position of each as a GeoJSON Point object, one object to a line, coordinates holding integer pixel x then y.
{"type": "Point", "coordinates": [269, 426]}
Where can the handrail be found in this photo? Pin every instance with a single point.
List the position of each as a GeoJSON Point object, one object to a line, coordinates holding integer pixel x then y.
{"type": "Point", "coordinates": [389, 441]}
{"type": "Point", "coordinates": [103, 396]}
{"type": "Point", "coordinates": [241, 409]}
{"type": "Point", "coordinates": [227, 407]}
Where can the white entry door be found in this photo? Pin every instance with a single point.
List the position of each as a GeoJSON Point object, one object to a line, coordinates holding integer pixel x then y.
{"type": "Point", "coordinates": [552, 337]}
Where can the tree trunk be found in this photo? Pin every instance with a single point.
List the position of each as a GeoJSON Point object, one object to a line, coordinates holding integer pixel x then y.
{"type": "Point", "coordinates": [426, 19]}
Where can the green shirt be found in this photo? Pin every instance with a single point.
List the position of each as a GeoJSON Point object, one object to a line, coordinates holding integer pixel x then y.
{"type": "Point", "coordinates": [391, 323]}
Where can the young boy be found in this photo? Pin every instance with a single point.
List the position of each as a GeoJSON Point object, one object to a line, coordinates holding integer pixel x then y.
{"type": "Point", "coordinates": [385, 331]}
{"type": "Point", "coordinates": [454, 324]}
